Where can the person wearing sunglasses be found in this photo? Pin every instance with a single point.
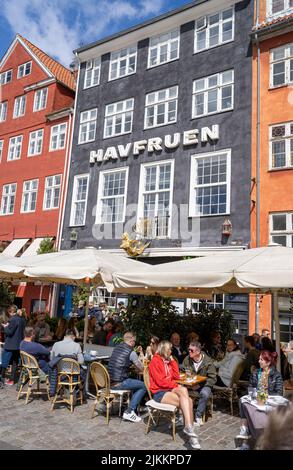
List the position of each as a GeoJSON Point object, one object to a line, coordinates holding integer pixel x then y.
{"type": "Point", "coordinates": [200, 363]}
{"type": "Point", "coordinates": [152, 348]}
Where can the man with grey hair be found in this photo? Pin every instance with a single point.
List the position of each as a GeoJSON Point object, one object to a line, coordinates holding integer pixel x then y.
{"type": "Point", "coordinates": [121, 359]}
{"type": "Point", "coordinates": [201, 364]}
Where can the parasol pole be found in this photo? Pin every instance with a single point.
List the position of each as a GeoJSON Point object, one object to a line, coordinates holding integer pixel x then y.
{"type": "Point", "coordinates": [86, 318]}
{"type": "Point", "coordinates": [277, 328]}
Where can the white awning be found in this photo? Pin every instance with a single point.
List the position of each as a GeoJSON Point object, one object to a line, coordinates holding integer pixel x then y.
{"type": "Point", "coordinates": [15, 246]}
{"type": "Point", "coordinates": [33, 248]}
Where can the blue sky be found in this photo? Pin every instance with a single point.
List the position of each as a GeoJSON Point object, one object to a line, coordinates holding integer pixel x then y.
{"type": "Point", "coordinates": [59, 26]}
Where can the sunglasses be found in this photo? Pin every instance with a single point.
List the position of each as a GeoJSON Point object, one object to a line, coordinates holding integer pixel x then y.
{"type": "Point", "coordinates": [192, 350]}
{"type": "Point", "coordinates": [152, 342]}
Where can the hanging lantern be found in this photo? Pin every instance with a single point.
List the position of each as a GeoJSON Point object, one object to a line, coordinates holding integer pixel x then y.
{"type": "Point", "coordinates": [227, 228]}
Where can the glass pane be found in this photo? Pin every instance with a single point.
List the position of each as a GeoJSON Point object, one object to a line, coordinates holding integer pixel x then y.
{"type": "Point", "coordinates": [279, 73]}
{"type": "Point", "coordinates": [279, 154]}
{"type": "Point", "coordinates": [279, 222]}
{"type": "Point", "coordinates": [214, 36]}
{"type": "Point", "coordinates": [212, 101]}
{"type": "Point", "coordinates": [280, 239]}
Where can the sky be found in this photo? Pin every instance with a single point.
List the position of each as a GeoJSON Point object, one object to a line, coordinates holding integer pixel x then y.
{"type": "Point", "coordinates": [60, 26]}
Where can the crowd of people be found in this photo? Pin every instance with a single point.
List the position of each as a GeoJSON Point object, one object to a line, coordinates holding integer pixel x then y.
{"type": "Point", "coordinates": [165, 359]}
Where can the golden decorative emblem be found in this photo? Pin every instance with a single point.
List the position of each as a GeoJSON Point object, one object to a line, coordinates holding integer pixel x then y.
{"type": "Point", "coordinates": [131, 246]}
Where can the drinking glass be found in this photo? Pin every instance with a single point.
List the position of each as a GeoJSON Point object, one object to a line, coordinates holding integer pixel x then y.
{"type": "Point", "coordinates": [252, 393]}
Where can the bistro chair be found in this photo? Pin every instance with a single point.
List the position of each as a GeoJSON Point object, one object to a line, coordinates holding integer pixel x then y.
{"type": "Point", "coordinates": [230, 393]}
{"type": "Point", "coordinates": [68, 380]}
{"type": "Point", "coordinates": [31, 374]}
{"type": "Point", "coordinates": [157, 410]}
{"type": "Point", "coordinates": [104, 393]}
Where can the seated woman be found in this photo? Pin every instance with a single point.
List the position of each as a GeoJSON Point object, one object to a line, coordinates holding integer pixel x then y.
{"type": "Point", "coordinates": [163, 370]}
{"type": "Point", "coordinates": [229, 364]}
{"type": "Point", "coordinates": [91, 328]}
{"type": "Point", "coordinates": [152, 348]}
{"type": "Point", "coordinates": [60, 330]}
{"type": "Point", "coordinates": [268, 380]}
{"type": "Point", "coordinates": [72, 325]}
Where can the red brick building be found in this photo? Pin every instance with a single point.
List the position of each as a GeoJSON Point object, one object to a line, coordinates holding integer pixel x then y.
{"type": "Point", "coordinates": [36, 109]}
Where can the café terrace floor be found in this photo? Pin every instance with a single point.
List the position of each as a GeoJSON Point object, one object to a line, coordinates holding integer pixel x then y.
{"type": "Point", "coordinates": [34, 426]}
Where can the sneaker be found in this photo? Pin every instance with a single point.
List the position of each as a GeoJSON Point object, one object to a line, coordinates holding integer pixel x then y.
{"type": "Point", "coordinates": [131, 417]}
{"type": "Point", "coordinates": [189, 430]}
{"type": "Point", "coordinates": [198, 422]}
{"type": "Point", "coordinates": [243, 433]}
{"type": "Point", "coordinates": [244, 446]}
{"type": "Point", "coordinates": [194, 443]}
{"type": "Point", "coordinates": [9, 382]}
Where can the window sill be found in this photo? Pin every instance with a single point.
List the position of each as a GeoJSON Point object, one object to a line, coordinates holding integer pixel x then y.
{"type": "Point", "coordinates": [116, 135]}
{"type": "Point", "coordinates": [224, 214]}
{"type": "Point", "coordinates": [150, 67]}
{"type": "Point", "coordinates": [214, 47]}
{"type": "Point", "coordinates": [212, 114]}
{"type": "Point", "coordinates": [277, 87]}
{"type": "Point", "coordinates": [273, 170]}
{"type": "Point", "coordinates": [160, 125]}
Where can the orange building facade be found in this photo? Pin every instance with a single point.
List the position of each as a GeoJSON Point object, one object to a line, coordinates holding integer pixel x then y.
{"type": "Point", "coordinates": [272, 146]}
{"type": "Point", "coordinates": [36, 108]}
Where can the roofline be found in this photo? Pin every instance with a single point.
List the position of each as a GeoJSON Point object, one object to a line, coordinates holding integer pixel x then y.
{"type": "Point", "coordinates": [156, 19]}
{"type": "Point", "coordinates": [268, 31]}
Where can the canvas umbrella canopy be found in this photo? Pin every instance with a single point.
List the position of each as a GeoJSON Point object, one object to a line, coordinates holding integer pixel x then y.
{"type": "Point", "coordinates": [258, 270]}
{"type": "Point", "coordinates": [83, 267]}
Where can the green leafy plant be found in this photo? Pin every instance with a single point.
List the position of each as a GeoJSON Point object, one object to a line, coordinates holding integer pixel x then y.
{"type": "Point", "coordinates": [6, 295]}
{"type": "Point", "coordinates": [46, 246]}
{"type": "Point", "coordinates": [80, 294]}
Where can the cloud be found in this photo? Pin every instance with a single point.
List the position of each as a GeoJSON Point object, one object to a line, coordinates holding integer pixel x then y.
{"type": "Point", "coordinates": [60, 26]}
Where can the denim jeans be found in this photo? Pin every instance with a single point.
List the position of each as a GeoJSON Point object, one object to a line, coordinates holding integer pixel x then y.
{"type": "Point", "coordinates": [7, 355]}
{"type": "Point", "coordinates": [138, 388]}
{"type": "Point", "coordinates": [204, 395]}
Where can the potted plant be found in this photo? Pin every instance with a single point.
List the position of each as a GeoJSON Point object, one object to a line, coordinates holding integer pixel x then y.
{"type": "Point", "coordinates": [261, 398]}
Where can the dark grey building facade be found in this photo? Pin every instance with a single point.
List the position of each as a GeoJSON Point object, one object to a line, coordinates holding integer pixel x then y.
{"type": "Point", "coordinates": [162, 137]}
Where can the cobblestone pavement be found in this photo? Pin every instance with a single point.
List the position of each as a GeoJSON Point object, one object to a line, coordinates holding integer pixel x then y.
{"type": "Point", "coordinates": [34, 426]}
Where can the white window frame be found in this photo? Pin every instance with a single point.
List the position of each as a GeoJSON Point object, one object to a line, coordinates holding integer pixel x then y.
{"type": "Point", "coordinates": [117, 114]}
{"type": "Point", "coordinates": [40, 103]}
{"type": "Point", "coordinates": [9, 195]}
{"type": "Point", "coordinates": [158, 102]}
{"type": "Point", "coordinates": [286, 10]}
{"type": "Point", "coordinates": [52, 189]}
{"type": "Point", "coordinates": [1, 149]}
{"type": "Point", "coordinates": [101, 197]}
{"type": "Point", "coordinates": [163, 40]}
{"type": "Point", "coordinates": [74, 202]}
{"type": "Point", "coordinates": [22, 69]}
{"type": "Point", "coordinates": [19, 106]}
{"type": "Point", "coordinates": [288, 232]}
{"type": "Point", "coordinates": [15, 145]}
{"type": "Point", "coordinates": [86, 122]}
{"type": "Point", "coordinates": [193, 187]}
{"type": "Point", "coordinates": [288, 139]}
{"type": "Point", "coordinates": [37, 137]}
{"type": "Point", "coordinates": [56, 132]}
{"type": "Point", "coordinates": [117, 60]}
{"type": "Point", "coordinates": [206, 26]}
{"type": "Point", "coordinates": [30, 192]}
{"type": "Point", "coordinates": [4, 77]}
{"type": "Point", "coordinates": [219, 87]}
{"type": "Point", "coordinates": [288, 57]}
{"type": "Point", "coordinates": [92, 72]}
{"type": "Point", "coordinates": [142, 192]}
{"type": "Point", "coordinates": [3, 111]}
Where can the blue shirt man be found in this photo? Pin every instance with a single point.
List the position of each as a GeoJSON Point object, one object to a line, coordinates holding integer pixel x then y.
{"type": "Point", "coordinates": [41, 353]}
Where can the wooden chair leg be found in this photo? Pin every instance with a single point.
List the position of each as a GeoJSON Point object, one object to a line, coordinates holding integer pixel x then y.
{"type": "Point", "coordinates": [29, 391]}
{"type": "Point", "coordinates": [231, 405]}
{"type": "Point", "coordinates": [94, 409]}
{"type": "Point", "coordinates": [174, 427]}
{"type": "Point", "coordinates": [71, 391]}
{"type": "Point", "coordinates": [108, 404]}
{"type": "Point", "coordinates": [148, 426]}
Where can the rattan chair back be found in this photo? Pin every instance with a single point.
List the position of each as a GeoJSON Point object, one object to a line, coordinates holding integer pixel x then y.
{"type": "Point", "coordinates": [146, 379]}
{"type": "Point", "coordinates": [100, 377]}
{"type": "Point", "coordinates": [68, 366]}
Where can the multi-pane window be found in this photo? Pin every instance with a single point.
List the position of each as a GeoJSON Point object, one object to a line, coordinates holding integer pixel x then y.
{"type": "Point", "coordinates": [281, 228]}
{"type": "Point", "coordinates": [87, 127]}
{"type": "Point", "coordinates": [8, 199]}
{"type": "Point", "coordinates": [14, 150]}
{"type": "Point", "coordinates": [35, 143]}
{"type": "Point", "coordinates": [118, 118]}
{"type": "Point", "coordinates": [52, 192]}
{"type": "Point", "coordinates": [40, 101]}
{"type": "Point", "coordinates": [213, 94]}
{"type": "Point", "coordinates": [19, 106]}
{"type": "Point", "coordinates": [79, 200]}
{"type": "Point", "coordinates": [5, 77]}
{"type": "Point", "coordinates": [213, 30]}
{"type": "Point", "coordinates": [58, 137]}
{"type": "Point", "coordinates": [164, 48]}
{"type": "Point", "coordinates": [123, 63]}
{"type": "Point", "coordinates": [24, 69]}
{"type": "Point", "coordinates": [276, 7]}
{"type": "Point", "coordinates": [1, 149]}
{"type": "Point", "coordinates": [281, 60]}
{"type": "Point", "coordinates": [210, 184]}
{"type": "Point", "coordinates": [29, 196]}
{"type": "Point", "coordinates": [155, 199]}
{"type": "Point", "coordinates": [161, 107]}
{"type": "Point", "coordinates": [92, 73]}
{"type": "Point", "coordinates": [281, 146]}
{"type": "Point", "coordinates": [3, 111]}
{"type": "Point", "coordinates": [112, 196]}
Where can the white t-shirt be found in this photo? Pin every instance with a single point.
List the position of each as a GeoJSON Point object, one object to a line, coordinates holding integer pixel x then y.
{"type": "Point", "coordinates": [197, 365]}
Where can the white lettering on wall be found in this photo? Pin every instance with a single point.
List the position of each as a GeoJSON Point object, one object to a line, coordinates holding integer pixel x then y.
{"type": "Point", "coordinates": [155, 144]}
{"type": "Point", "coordinates": [190, 137]}
{"type": "Point", "coordinates": [172, 144]}
{"type": "Point", "coordinates": [207, 133]}
{"type": "Point", "coordinates": [96, 156]}
{"type": "Point", "coordinates": [139, 146]}
{"type": "Point", "coordinates": [124, 150]}
{"type": "Point", "coordinates": [111, 153]}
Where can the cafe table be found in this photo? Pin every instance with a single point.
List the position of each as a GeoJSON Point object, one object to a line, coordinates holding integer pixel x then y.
{"type": "Point", "coordinates": [191, 381]}
{"type": "Point", "coordinates": [88, 359]}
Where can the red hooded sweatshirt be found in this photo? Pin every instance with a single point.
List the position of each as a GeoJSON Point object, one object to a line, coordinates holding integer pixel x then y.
{"type": "Point", "coordinates": [163, 374]}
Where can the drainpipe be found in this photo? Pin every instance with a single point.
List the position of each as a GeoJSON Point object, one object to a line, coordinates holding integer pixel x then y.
{"type": "Point", "coordinates": [258, 136]}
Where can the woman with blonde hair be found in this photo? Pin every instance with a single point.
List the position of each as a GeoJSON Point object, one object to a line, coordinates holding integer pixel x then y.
{"type": "Point", "coordinates": [164, 372]}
